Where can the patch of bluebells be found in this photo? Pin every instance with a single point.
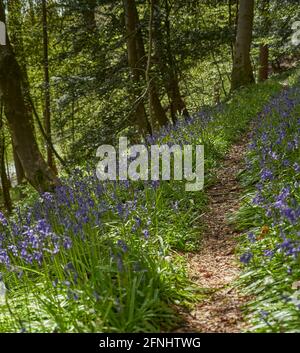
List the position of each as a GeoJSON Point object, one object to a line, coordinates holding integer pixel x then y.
{"type": "Point", "coordinates": [82, 209]}
{"type": "Point", "coordinates": [185, 131]}
{"type": "Point", "coordinates": [54, 222]}
{"type": "Point", "coordinates": [274, 159]}
{"type": "Point", "coordinates": [29, 244]}
{"type": "Point", "coordinates": [82, 203]}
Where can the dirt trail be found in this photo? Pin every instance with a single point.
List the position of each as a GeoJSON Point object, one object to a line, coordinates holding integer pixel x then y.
{"type": "Point", "coordinates": [215, 267]}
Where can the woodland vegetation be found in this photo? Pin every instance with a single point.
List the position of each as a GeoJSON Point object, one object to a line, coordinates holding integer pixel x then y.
{"type": "Point", "coordinates": [80, 255]}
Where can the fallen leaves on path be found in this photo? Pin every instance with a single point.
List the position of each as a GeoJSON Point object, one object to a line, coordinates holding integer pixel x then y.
{"type": "Point", "coordinates": [215, 267]}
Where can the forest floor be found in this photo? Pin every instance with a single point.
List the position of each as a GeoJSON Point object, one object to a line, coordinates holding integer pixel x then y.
{"type": "Point", "coordinates": [215, 268]}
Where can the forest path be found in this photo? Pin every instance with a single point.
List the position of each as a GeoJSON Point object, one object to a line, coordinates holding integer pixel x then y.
{"type": "Point", "coordinates": [216, 267]}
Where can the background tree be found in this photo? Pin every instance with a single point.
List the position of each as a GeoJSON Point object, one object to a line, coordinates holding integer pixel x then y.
{"type": "Point", "coordinates": [95, 97]}
{"type": "Point", "coordinates": [242, 71]}
{"type": "Point", "coordinates": [47, 99]}
{"type": "Point", "coordinates": [264, 47]}
{"type": "Point", "coordinates": [5, 183]}
{"type": "Point", "coordinates": [157, 113]}
{"type": "Point", "coordinates": [19, 119]}
{"type": "Point", "coordinates": [135, 63]}
{"type": "Point", "coordinates": [165, 59]}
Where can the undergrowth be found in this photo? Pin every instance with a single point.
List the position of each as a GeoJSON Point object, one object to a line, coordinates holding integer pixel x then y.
{"type": "Point", "coordinates": [109, 257]}
{"type": "Point", "coordinates": [270, 214]}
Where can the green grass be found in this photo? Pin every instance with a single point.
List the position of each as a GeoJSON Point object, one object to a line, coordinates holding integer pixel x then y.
{"type": "Point", "coordinates": [97, 286]}
{"type": "Point", "coordinates": [272, 274]}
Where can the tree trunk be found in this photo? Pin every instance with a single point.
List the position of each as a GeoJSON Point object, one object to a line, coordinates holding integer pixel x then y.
{"type": "Point", "coordinates": [5, 183]}
{"type": "Point", "coordinates": [264, 48]}
{"type": "Point", "coordinates": [4, 179]}
{"type": "Point", "coordinates": [232, 22]}
{"type": "Point", "coordinates": [47, 102]}
{"type": "Point", "coordinates": [164, 59]}
{"type": "Point", "coordinates": [177, 103]}
{"type": "Point", "coordinates": [89, 17]}
{"type": "Point", "coordinates": [18, 167]}
{"type": "Point", "coordinates": [242, 71]}
{"type": "Point", "coordinates": [263, 62]}
{"type": "Point", "coordinates": [158, 115]}
{"type": "Point", "coordinates": [15, 27]}
{"type": "Point", "coordinates": [36, 170]}
{"type": "Point", "coordinates": [14, 8]}
{"type": "Point", "coordinates": [139, 115]}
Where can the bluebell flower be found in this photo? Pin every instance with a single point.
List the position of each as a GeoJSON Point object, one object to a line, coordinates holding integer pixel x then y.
{"type": "Point", "coordinates": [268, 253]}
{"type": "Point", "coordinates": [146, 233]}
{"type": "Point", "coordinates": [251, 237]}
{"type": "Point", "coordinates": [266, 174]}
{"type": "Point", "coordinates": [264, 314]}
{"type": "Point", "coordinates": [246, 257]}
{"type": "Point", "coordinates": [122, 245]}
{"type": "Point", "coordinates": [3, 220]}
{"type": "Point", "coordinates": [296, 167]}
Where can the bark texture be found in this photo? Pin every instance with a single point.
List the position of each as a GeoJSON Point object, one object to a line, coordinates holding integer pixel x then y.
{"type": "Point", "coordinates": [242, 71]}
{"type": "Point", "coordinates": [40, 176]}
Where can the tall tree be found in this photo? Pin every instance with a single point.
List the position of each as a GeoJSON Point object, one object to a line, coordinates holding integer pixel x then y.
{"type": "Point", "coordinates": [89, 15]}
{"type": "Point", "coordinates": [166, 61]}
{"type": "Point", "coordinates": [242, 71]}
{"type": "Point", "coordinates": [135, 64]}
{"type": "Point", "coordinates": [5, 184]}
{"type": "Point", "coordinates": [157, 112]}
{"type": "Point", "coordinates": [15, 29]}
{"type": "Point", "coordinates": [19, 119]}
{"type": "Point", "coordinates": [264, 48]}
{"type": "Point", "coordinates": [47, 100]}
{"type": "Point", "coordinates": [16, 36]}
{"type": "Point", "coordinates": [18, 166]}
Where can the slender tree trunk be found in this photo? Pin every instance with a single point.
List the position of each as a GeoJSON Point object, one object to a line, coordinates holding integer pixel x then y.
{"type": "Point", "coordinates": [232, 22]}
{"type": "Point", "coordinates": [230, 26]}
{"type": "Point", "coordinates": [264, 48]}
{"type": "Point", "coordinates": [18, 167]}
{"type": "Point", "coordinates": [177, 103]}
{"type": "Point", "coordinates": [165, 59]}
{"type": "Point", "coordinates": [89, 15]}
{"type": "Point", "coordinates": [15, 26]}
{"type": "Point", "coordinates": [7, 166]}
{"type": "Point", "coordinates": [5, 183]}
{"type": "Point", "coordinates": [242, 71]}
{"type": "Point", "coordinates": [158, 114]}
{"type": "Point", "coordinates": [32, 12]}
{"type": "Point", "coordinates": [139, 115]}
{"type": "Point", "coordinates": [47, 102]}
{"type": "Point", "coordinates": [16, 31]}
{"type": "Point", "coordinates": [263, 62]}
{"type": "Point", "coordinates": [19, 119]}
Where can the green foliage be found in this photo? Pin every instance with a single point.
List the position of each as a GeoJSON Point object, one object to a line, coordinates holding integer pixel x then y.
{"type": "Point", "coordinates": [272, 272]}
{"type": "Point", "coordinates": [99, 285]}
{"type": "Point", "coordinates": [119, 278]}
